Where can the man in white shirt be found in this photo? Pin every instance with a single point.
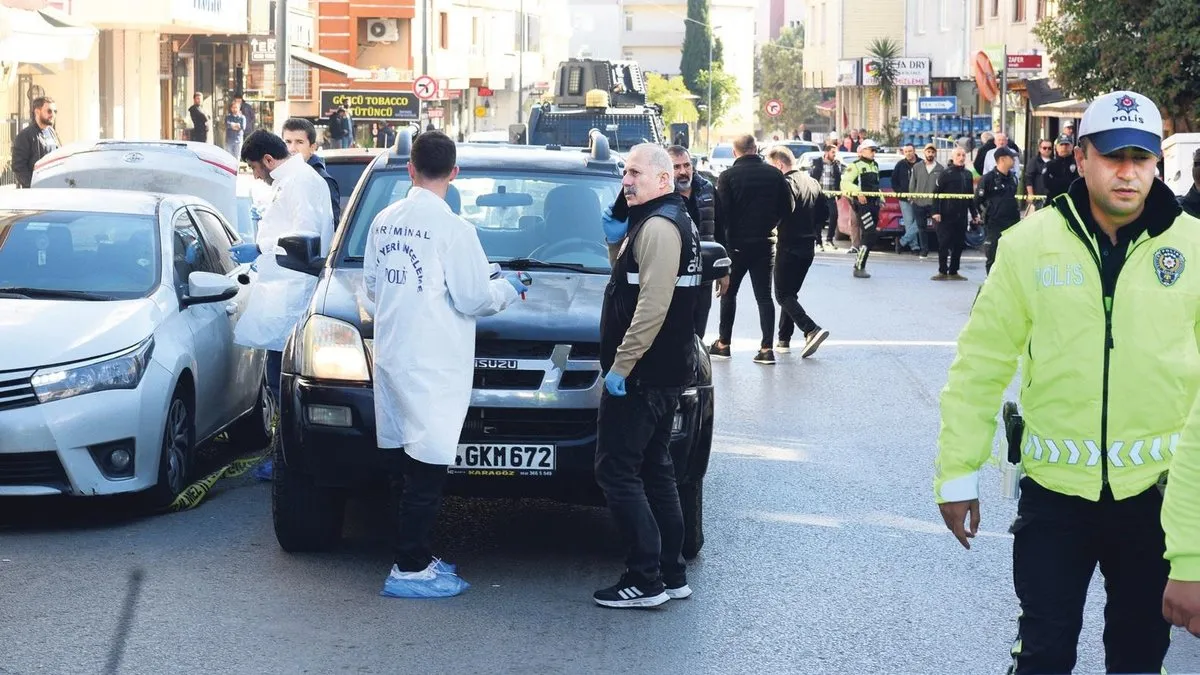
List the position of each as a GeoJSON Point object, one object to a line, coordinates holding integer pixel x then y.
{"type": "Point", "coordinates": [299, 205]}
{"type": "Point", "coordinates": [989, 161]}
{"type": "Point", "coordinates": [429, 278]}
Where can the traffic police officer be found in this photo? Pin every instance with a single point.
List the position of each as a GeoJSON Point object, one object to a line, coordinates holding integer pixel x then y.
{"type": "Point", "coordinates": [863, 176]}
{"type": "Point", "coordinates": [1106, 389]}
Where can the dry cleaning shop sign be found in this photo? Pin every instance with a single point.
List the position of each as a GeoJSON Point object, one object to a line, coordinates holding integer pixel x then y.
{"type": "Point", "coordinates": [372, 105]}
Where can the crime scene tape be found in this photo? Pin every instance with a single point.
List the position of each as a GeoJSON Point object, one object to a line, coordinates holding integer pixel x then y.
{"type": "Point", "coordinates": [195, 493]}
{"type": "Point", "coordinates": [921, 195]}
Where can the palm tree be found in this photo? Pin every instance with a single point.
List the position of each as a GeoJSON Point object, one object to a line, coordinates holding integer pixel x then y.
{"type": "Point", "coordinates": [883, 53]}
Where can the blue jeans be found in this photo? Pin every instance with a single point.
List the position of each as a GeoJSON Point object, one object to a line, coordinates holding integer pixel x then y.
{"type": "Point", "coordinates": [912, 233]}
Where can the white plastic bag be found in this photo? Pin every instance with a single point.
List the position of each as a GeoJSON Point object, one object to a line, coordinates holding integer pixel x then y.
{"type": "Point", "coordinates": [277, 300]}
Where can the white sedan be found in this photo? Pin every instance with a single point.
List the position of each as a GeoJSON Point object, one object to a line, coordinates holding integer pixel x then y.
{"type": "Point", "coordinates": [117, 312]}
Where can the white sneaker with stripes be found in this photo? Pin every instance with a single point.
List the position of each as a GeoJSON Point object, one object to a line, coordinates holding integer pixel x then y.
{"type": "Point", "coordinates": [632, 592]}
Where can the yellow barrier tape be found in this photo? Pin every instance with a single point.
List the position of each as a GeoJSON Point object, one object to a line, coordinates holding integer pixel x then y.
{"type": "Point", "coordinates": [195, 493]}
{"type": "Point", "coordinates": [919, 195]}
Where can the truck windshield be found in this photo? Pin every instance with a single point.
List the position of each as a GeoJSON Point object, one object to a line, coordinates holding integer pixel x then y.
{"type": "Point", "coordinates": [544, 216]}
{"type": "Point", "coordinates": [111, 256]}
{"type": "Point", "coordinates": [571, 130]}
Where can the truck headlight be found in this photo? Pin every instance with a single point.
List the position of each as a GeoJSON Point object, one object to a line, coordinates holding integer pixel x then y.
{"type": "Point", "coordinates": [121, 371]}
{"type": "Point", "coordinates": [332, 350]}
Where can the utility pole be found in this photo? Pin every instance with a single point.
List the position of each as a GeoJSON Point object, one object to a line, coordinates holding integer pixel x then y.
{"type": "Point", "coordinates": [521, 64]}
{"type": "Point", "coordinates": [708, 117]}
{"type": "Point", "coordinates": [282, 53]}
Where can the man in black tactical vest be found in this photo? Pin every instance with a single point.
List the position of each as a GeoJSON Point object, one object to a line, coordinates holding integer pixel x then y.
{"type": "Point", "coordinates": [648, 355]}
{"type": "Point", "coordinates": [700, 195]}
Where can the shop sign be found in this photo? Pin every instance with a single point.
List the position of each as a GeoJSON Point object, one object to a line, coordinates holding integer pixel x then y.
{"type": "Point", "coordinates": [847, 73]}
{"type": "Point", "coordinates": [910, 72]}
{"type": "Point", "coordinates": [372, 105]}
{"type": "Point", "coordinates": [300, 29]}
{"type": "Point", "coordinates": [226, 16]}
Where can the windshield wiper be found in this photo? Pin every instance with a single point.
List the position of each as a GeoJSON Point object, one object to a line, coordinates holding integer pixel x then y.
{"type": "Point", "coordinates": [51, 293]}
{"type": "Point", "coordinates": [535, 264]}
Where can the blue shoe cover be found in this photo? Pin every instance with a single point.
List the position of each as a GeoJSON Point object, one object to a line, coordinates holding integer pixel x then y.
{"type": "Point", "coordinates": [444, 567]}
{"type": "Point", "coordinates": [264, 471]}
{"type": "Point", "coordinates": [442, 585]}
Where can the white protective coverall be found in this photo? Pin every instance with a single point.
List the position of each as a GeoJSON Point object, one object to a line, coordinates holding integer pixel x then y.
{"type": "Point", "coordinates": [429, 278]}
{"type": "Point", "coordinates": [299, 205]}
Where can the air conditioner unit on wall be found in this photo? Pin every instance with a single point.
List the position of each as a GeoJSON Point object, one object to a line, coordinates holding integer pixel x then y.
{"type": "Point", "coordinates": [383, 30]}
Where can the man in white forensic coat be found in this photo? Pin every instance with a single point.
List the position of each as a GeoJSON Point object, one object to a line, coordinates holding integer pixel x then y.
{"type": "Point", "coordinates": [429, 278]}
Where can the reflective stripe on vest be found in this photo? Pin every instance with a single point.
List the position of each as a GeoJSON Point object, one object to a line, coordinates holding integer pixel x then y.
{"type": "Point", "coordinates": [1137, 453]}
{"type": "Point", "coordinates": [686, 281]}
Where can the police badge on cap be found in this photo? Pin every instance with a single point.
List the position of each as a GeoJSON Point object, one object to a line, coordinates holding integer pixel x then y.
{"type": "Point", "coordinates": [1168, 265]}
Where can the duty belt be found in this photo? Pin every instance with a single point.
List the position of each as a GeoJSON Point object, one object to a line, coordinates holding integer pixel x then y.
{"type": "Point", "coordinates": [1136, 453]}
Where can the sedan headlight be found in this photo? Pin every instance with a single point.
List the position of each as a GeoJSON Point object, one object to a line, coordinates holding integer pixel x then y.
{"type": "Point", "coordinates": [122, 371]}
{"type": "Point", "coordinates": [332, 350]}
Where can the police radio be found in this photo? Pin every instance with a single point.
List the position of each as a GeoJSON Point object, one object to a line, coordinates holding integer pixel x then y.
{"type": "Point", "coordinates": [1010, 466]}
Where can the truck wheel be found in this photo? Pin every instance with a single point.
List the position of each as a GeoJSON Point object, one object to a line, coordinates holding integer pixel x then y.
{"type": "Point", "coordinates": [691, 498]}
{"type": "Point", "coordinates": [307, 517]}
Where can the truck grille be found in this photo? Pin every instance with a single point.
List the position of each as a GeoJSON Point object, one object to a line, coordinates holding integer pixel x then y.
{"type": "Point", "coordinates": [528, 424]}
{"type": "Point", "coordinates": [507, 379]}
{"type": "Point", "coordinates": [16, 389]}
{"type": "Point", "coordinates": [32, 468]}
{"type": "Point", "coordinates": [513, 349]}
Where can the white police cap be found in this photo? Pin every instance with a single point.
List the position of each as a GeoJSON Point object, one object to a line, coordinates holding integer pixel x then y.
{"type": "Point", "coordinates": [1123, 119]}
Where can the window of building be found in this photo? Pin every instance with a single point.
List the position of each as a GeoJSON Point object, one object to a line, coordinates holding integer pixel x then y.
{"type": "Point", "coordinates": [628, 21]}
{"type": "Point", "coordinates": [533, 33]}
{"type": "Point", "coordinates": [444, 30]}
{"type": "Point", "coordinates": [1041, 9]}
{"type": "Point", "coordinates": [1018, 11]}
{"type": "Point", "coordinates": [474, 31]}
{"type": "Point", "coordinates": [921, 17]}
{"type": "Point", "coordinates": [978, 12]}
{"type": "Point", "coordinates": [943, 16]}
{"type": "Point", "coordinates": [995, 8]}
{"type": "Point", "coordinates": [821, 19]}
{"type": "Point", "coordinates": [627, 55]}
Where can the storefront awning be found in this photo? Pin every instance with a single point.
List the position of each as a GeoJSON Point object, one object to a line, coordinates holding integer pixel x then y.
{"type": "Point", "coordinates": [325, 63]}
{"type": "Point", "coordinates": [1041, 93]}
{"type": "Point", "coordinates": [1071, 107]}
{"type": "Point", "coordinates": [31, 37]}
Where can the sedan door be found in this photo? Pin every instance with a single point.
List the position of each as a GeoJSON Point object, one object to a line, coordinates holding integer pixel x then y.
{"type": "Point", "coordinates": [213, 346]}
{"type": "Point", "coordinates": [246, 364]}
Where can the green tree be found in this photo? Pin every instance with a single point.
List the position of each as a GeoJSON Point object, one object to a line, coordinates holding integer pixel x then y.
{"type": "Point", "coordinates": [725, 93]}
{"type": "Point", "coordinates": [696, 37]}
{"type": "Point", "coordinates": [779, 74]}
{"type": "Point", "coordinates": [1151, 47]}
{"type": "Point", "coordinates": [673, 95]}
{"type": "Point", "coordinates": [883, 53]}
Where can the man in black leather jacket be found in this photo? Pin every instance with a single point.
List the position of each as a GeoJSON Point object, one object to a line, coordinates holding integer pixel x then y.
{"type": "Point", "coordinates": [752, 197]}
{"type": "Point", "coordinates": [700, 195]}
{"type": "Point", "coordinates": [996, 198]}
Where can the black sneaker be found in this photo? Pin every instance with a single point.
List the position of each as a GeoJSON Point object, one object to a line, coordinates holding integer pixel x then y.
{"type": "Point", "coordinates": [632, 592]}
{"type": "Point", "coordinates": [783, 346]}
{"type": "Point", "coordinates": [677, 589]}
{"type": "Point", "coordinates": [812, 341]}
{"type": "Point", "coordinates": [719, 351]}
{"type": "Point", "coordinates": [765, 357]}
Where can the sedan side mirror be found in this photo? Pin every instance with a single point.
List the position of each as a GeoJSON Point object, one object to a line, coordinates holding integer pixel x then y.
{"type": "Point", "coordinates": [206, 287]}
{"type": "Point", "coordinates": [301, 253]}
{"type": "Point", "coordinates": [715, 260]}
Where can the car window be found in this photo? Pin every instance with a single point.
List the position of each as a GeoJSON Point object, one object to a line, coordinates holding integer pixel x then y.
{"type": "Point", "coordinates": [109, 254]}
{"type": "Point", "coordinates": [188, 251]}
{"type": "Point", "coordinates": [550, 217]}
{"type": "Point", "coordinates": [723, 152]}
{"type": "Point", "coordinates": [218, 239]}
{"type": "Point", "coordinates": [346, 174]}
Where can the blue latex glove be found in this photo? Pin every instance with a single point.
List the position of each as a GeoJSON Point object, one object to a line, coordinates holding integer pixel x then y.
{"type": "Point", "coordinates": [614, 383]}
{"type": "Point", "coordinates": [245, 253]}
{"type": "Point", "coordinates": [516, 282]}
{"type": "Point", "coordinates": [614, 230]}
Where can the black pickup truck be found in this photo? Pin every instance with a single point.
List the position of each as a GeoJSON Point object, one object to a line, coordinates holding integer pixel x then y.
{"type": "Point", "coordinates": [531, 428]}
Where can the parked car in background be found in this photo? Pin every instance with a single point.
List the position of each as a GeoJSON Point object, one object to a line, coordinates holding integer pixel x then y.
{"type": "Point", "coordinates": [346, 166]}
{"type": "Point", "coordinates": [720, 158]}
{"type": "Point", "coordinates": [118, 358]}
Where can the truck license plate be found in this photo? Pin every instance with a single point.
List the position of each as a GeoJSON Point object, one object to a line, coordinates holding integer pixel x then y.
{"type": "Point", "coordinates": [505, 460]}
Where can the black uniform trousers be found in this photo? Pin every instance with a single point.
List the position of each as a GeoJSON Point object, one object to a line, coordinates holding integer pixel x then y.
{"type": "Point", "coordinates": [869, 234]}
{"type": "Point", "coordinates": [635, 471]}
{"type": "Point", "coordinates": [416, 494]}
{"type": "Point", "coordinates": [791, 267]}
{"type": "Point", "coordinates": [993, 230]}
{"type": "Point", "coordinates": [952, 236]}
{"type": "Point", "coordinates": [1057, 542]}
{"type": "Point", "coordinates": [757, 260]}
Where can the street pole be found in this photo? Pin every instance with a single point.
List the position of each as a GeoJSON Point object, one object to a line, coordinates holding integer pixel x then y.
{"type": "Point", "coordinates": [282, 52]}
{"type": "Point", "coordinates": [1004, 89]}
{"type": "Point", "coordinates": [521, 65]}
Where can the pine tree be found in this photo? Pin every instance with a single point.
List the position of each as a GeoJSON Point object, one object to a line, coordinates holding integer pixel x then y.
{"type": "Point", "coordinates": [695, 44]}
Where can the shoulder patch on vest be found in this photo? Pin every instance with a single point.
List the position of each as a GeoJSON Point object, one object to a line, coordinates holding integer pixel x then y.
{"type": "Point", "coordinates": [1168, 265]}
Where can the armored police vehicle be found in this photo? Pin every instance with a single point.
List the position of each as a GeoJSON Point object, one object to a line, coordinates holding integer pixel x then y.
{"type": "Point", "coordinates": [609, 96]}
{"type": "Point", "coordinates": [531, 428]}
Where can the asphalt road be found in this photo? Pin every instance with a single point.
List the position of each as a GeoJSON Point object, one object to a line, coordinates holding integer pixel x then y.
{"type": "Point", "coordinates": [824, 551]}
